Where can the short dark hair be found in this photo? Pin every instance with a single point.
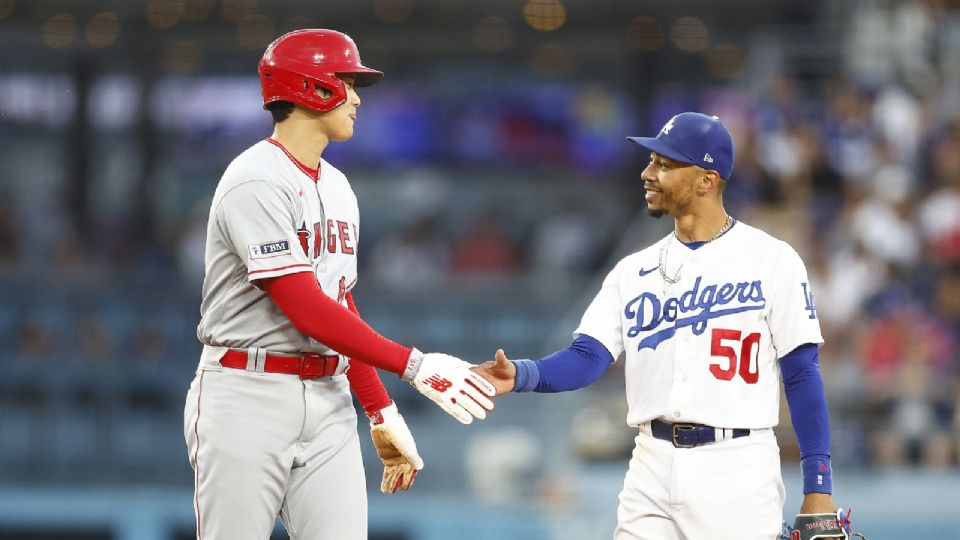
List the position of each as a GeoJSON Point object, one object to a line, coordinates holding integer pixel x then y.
{"type": "Point", "coordinates": [280, 110]}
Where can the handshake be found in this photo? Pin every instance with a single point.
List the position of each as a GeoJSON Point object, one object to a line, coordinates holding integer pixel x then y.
{"type": "Point", "coordinates": [460, 388]}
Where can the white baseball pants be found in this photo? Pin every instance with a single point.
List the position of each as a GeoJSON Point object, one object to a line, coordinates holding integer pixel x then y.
{"type": "Point", "coordinates": [730, 490]}
{"type": "Point", "coordinates": [264, 445]}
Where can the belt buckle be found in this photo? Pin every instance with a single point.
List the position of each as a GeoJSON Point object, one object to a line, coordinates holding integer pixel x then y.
{"type": "Point", "coordinates": [327, 365]}
{"type": "Point", "coordinates": [303, 364]}
{"type": "Point", "coordinates": [681, 427]}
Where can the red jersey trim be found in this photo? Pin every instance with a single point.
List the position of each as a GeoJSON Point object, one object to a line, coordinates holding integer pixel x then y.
{"type": "Point", "coordinates": [196, 461]}
{"type": "Point", "coordinates": [314, 174]}
{"type": "Point", "coordinates": [299, 265]}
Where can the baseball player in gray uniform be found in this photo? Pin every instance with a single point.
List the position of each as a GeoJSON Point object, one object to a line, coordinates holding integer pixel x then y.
{"type": "Point", "coordinates": [269, 420]}
{"type": "Point", "coordinates": [710, 319]}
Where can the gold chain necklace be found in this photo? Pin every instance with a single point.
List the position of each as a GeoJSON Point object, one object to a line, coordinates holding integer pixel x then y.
{"type": "Point", "coordinates": [661, 263]}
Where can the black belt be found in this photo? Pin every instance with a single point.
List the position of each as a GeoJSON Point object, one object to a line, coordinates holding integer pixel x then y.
{"type": "Point", "coordinates": [686, 435]}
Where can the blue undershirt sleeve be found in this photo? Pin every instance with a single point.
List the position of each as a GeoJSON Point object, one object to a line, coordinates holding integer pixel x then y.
{"type": "Point", "coordinates": [807, 402]}
{"type": "Point", "coordinates": [574, 367]}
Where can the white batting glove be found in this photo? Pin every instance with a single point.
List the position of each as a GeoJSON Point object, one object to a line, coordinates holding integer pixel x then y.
{"type": "Point", "coordinates": [396, 448]}
{"type": "Point", "coordinates": [448, 381]}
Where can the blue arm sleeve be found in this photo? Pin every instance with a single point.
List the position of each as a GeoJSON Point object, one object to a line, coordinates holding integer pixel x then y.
{"type": "Point", "coordinates": [803, 386]}
{"type": "Point", "coordinates": [574, 367]}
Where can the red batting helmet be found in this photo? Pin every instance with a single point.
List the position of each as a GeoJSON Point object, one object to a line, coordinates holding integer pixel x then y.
{"type": "Point", "coordinates": [298, 63]}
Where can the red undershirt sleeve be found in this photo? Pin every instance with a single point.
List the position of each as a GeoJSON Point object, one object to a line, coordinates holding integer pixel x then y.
{"type": "Point", "coordinates": [317, 315]}
{"type": "Point", "coordinates": [364, 379]}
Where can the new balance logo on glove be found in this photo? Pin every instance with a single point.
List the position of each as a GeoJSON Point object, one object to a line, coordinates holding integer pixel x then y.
{"type": "Point", "coordinates": [447, 381]}
{"type": "Point", "coordinates": [439, 384]}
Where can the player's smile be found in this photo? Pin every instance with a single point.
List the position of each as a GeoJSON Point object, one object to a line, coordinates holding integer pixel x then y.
{"type": "Point", "coordinates": [658, 166]}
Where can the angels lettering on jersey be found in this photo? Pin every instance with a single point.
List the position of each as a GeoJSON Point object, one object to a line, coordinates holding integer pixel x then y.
{"type": "Point", "coordinates": [340, 237]}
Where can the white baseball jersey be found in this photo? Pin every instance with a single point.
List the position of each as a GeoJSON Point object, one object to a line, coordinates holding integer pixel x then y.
{"type": "Point", "coordinates": [269, 218]}
{"type": "Point", "coordinates": [705, 349]}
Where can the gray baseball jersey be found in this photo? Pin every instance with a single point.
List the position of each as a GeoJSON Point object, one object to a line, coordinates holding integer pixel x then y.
{"type": "Point", "coordinates": [270, 218]}
{"type": "Point", "coordinates": [284, 441]}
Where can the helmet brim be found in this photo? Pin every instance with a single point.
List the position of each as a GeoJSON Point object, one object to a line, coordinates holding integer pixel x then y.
{"type": "Point", "coordinates": [365, 76]}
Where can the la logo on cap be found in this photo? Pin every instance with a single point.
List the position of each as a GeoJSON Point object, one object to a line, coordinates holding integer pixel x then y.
{"type": "Point", "coordinates": [668, 126]}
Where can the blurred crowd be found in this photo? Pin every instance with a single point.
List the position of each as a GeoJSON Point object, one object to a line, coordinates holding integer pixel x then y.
{"type": "Point", "coordinates": [872, 174]}
{"type": "Point", "coordinates": [871, 161]}
{"type": "Point", "coordinates": [862, 175]}
{"type": "Point", "coordinates": [860, 172]}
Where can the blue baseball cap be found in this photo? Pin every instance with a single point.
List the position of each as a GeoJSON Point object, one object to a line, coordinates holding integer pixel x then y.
{"type": "Point", "coordinates": [695, 138]}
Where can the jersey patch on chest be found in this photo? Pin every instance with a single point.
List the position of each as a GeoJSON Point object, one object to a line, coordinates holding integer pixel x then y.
{"type": "Point", "coordinates": [693, 308]}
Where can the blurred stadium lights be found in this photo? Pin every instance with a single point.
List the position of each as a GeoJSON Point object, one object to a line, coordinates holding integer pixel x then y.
{"type": "Point", "coordinates": [197, 10]}
{"type": "Point", "coordinates": [646, 33]}
{"type": "Point", "coordinates": [393, 11]}
{"type": "Point", "coordinates": [597, 109]}
{"type": "Point", "coordinates": [237, 10]}
{"type": "Point", "coordinates": [7, 7]}
{"type": "Point", "coordinates": [163, 14]}
{"type": "Point", "coordinates": [296, 22]}
{"type": "Point", "coordinates": [255, 31]}
{"type": "Point", "coordinates": [492, 33]}
{"type": "Point", "coordinates": [49, 100]}
{"type": "Point", "coordinates": [724, 60]}
{"type": "Point", "coordinates": [182, 56]}
{"type": "Point", "coordinates": [689, 34]}
{"type": "Point", "coordinates": [553, 60]}
{"type": "Point", "coordinates": [102, 30]}
{"type": "Point", "coordinates": [59, 30]}
{"type": "Point", "coordinates": [114, 102]}
{"type": "Point", "coordinates": [545, 15]}
{"type": "Point", "coordinates": [185, 105]}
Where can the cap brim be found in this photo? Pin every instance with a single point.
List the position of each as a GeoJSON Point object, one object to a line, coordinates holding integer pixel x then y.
{"type": "Point", "coordinates": [656, 145]}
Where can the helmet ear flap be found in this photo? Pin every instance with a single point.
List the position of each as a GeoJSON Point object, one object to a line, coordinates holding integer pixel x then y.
{"type": "Point", "coordinates": [322, 92]}
{"type": "Point", "coordinates": [319, 90]}
{"type": "Point", "coordinates": [327, 91]}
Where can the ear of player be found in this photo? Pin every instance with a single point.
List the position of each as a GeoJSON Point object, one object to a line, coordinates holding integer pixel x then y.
{"type": "Point", "coordinates": [449, 383]}
{"type": "Point", "coordinates": [396, 448]}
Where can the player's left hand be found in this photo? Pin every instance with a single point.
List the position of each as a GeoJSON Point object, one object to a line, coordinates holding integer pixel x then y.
{"type": "Point", "coordinates": [396, 448]}
{"type": "Point", "coordinates": [817, 503]}
{"type": "Point", "coordinates": [819, 519]}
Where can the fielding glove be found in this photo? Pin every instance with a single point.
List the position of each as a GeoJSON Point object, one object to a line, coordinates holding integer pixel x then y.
{"type": "Point", "coordinates": [823, 526]}
{"type": "Point", "coordinates": [396, 448]}
{"type": "Point", "coordinates": [448, 381]}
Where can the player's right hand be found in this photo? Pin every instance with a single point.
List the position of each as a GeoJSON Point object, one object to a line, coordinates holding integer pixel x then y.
{"type": "Point", "coordinates": [500, 372]}
{"type": "Point", "coordinates": [448, 381]}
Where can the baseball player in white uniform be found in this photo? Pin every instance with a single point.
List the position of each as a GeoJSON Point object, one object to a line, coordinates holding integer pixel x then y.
{"type": "Point", "coordinates": [709, 319]}
{"type": "Point", "coordinates": [269, 419]}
